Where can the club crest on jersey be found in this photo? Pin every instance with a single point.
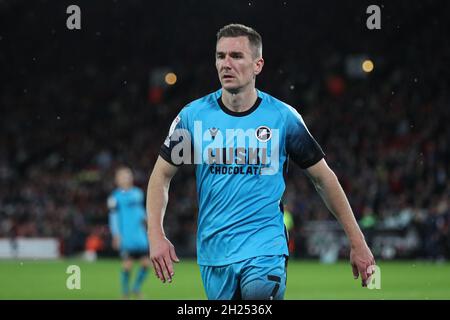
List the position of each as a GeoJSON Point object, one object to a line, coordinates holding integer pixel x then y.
{"type": "Point", "coordinates": [263, 133]}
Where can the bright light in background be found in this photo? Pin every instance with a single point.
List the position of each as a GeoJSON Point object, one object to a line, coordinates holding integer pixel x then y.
{"type": "Point", "coordinates": [170, 78]}
{"type": "Point", "coordinates": [367, 66]}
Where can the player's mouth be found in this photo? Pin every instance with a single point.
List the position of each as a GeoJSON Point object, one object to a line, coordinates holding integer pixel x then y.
{"type": "Point", "coordinates": [227, 77]}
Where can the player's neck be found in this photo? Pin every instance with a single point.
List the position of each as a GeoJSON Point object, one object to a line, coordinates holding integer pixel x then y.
{"type": "Point", "coordinates": [241, 101]}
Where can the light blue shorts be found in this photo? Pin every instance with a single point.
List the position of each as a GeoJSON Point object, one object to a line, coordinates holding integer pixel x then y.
{"type": "Point", "coordinates": [258, 278]}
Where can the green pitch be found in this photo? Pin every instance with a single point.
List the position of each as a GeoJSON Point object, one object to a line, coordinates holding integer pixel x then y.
{"type": "Point", "coordinates": [306, 280]}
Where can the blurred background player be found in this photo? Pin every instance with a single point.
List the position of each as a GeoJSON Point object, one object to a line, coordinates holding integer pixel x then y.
{"type": "Point", "coordinates": [127, 221]}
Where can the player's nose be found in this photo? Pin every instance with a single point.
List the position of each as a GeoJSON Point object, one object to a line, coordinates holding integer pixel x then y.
{"type": "Point", "coordinates": [226, 62]}
{"type": "Point", "coordinates": [224, 69]}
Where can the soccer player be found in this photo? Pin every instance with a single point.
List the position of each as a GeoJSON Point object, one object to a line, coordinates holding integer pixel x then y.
{"type": "Point", "coordinates": [239, 138]}
{"type": "Point", "coordinates": [128, 225]}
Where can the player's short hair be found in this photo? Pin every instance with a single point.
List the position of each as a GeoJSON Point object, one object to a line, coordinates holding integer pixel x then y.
{"type": "Point", "coordinates": [234, 30]}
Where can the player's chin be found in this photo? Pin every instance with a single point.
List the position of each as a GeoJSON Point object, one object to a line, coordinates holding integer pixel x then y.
{"type": "Point", "coordinates": [231, 87]}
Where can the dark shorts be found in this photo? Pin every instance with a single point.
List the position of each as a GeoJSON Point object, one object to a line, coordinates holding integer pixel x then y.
{"type": "Point", "coordinates": [134, 254]}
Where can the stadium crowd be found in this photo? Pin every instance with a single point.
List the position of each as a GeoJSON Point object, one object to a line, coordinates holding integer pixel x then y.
{"type": "Point", "coordinates": [66, 125]}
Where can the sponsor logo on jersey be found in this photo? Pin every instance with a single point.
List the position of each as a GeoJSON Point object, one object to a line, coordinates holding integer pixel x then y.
{"type": "Point", "coordinates": [257, 148]}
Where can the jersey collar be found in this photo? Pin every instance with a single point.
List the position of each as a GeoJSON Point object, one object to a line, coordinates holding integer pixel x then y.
{"type": "Point", "coordinates": [238, 114]}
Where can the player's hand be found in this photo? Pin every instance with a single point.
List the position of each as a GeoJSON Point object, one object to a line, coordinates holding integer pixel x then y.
{"type": "Point", "coordinates": [361, 259]}
{"type": "Point", "coordinates": [162, 254]}
{"type": "Point", "coordinates": [116, 243]}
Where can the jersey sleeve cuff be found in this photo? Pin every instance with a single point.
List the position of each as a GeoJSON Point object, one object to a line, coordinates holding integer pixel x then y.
{"type": "Point", "coordinates": [164, 154]}
{"type": "Point", "coordinates": [313, 161]}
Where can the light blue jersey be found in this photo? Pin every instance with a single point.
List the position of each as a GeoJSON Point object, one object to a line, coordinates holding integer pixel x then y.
{"type": "Point", "coordinates": [239, 158]}
{"type": "Point", "coordinates": [127, 218]}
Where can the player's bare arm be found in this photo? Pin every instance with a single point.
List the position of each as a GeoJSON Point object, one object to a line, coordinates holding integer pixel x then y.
{"type": "Point", "coordinates": [162, 252]}
{"type": "Point", "coordinates": [329, 188]}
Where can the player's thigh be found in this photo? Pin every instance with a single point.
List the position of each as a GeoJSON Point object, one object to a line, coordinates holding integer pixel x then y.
{"type": "Point", "coordinates": [264, 278]}
{"type": "Point", "coordinates": [220, 283]}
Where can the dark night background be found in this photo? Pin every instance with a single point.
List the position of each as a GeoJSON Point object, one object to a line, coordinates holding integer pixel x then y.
{"type": "Point", "coordinates": [75, 104]}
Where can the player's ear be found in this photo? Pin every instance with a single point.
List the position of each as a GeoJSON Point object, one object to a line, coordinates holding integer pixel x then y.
{"type": "Point", "coordinates": [259, 63]}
